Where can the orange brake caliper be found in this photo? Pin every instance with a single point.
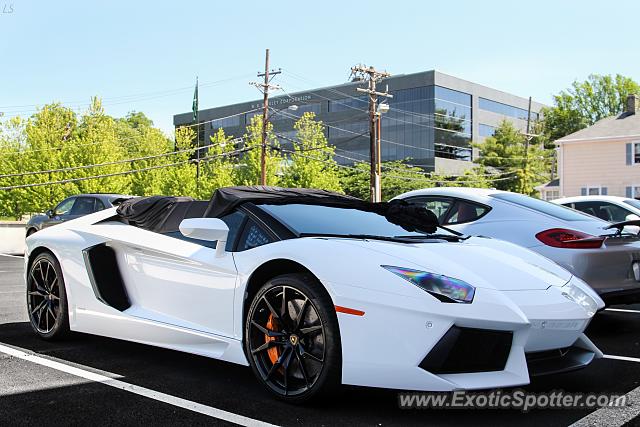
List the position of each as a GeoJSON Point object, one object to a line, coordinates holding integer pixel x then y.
{"type": "Point", "coordinates": [273, 352]}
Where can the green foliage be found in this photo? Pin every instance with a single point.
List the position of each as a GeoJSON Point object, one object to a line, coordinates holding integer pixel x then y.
{"type": "Point", "coordinates": [249, 170]}
{"type": "Point", "coordinates": [397, 177]}
{"type": "Point", "coordinates": [56, 138]}
{"type": "Point", "coordinates": [219, 170]}
{"type": "Point", "coordinates": [312, 163]}
{"type": "Point", "coordinates": [523, 169]}
{"type": "Point", "coordinates": [584, 103]}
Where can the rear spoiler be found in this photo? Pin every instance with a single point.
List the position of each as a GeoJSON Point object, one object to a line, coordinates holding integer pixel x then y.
{"type": "Point", "coordinates": [619, 226]}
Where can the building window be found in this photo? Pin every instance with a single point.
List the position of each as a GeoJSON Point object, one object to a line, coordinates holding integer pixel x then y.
{"type": "Point", "coordinates": [593, 191]}
{"type": "Point", "coordinates": [551, 195]}
{"type": "Point", "coordinates": [226, 122]}
{"type": "Point", "coordinates": [486, 130]}
{"type": "Point", "coordinates": [505, 109]}
{"type": "Point", "coordinates": [349, 104]}
{"type": "Point", "coordinates": [276, 115]}
{"type": "Point", "coordinates": [636, 152]}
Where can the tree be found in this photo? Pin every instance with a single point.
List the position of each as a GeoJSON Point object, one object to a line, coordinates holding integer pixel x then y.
{"type": "Point", "coordinates": [249, 169]}
{"type": "Point", "coordinates": [179, 180]}
{"type": "Point", "coordinates": [506, 151]}
{"type": "Point", "coordinates": [217, 168]}
{"type": "Point", "coordinates": [584, 103]}
{"type": "Point", "coordinates": [312, 162]}
{"type": "Point", "coordinates": [55, 139]}
{"type": "Point", "coordinates": [140, 139]}
{"type": "Point", "coordinates": [397, 177]}
{"type": "Point", "coordinates": [96, 142]}
{"type": "Point", "coordinates": [477, 177]}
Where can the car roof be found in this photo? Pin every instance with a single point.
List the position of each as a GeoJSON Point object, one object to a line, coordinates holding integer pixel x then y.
{"type": "Point", "coordinates": [470, 193]}
{"type": "Point", "coordinates": [100, 195]}
{"type": "Point", "coordinates": [613, 199]}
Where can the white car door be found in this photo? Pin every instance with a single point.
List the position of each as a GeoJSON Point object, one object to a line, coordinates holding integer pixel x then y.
{"type": "Point", "coordinates": [175, 281]}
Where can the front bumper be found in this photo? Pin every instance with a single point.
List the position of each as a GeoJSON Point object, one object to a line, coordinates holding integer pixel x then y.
{"type": "Point", "coordinates": [389, 346]}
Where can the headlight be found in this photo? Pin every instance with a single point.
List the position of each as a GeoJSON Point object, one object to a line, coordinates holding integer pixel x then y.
{"type": "Point", "coordinates": [580, 297]}
{"type": "Point", "coordinates": [446, 289]}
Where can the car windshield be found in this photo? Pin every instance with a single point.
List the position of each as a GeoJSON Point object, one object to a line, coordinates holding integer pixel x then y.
{"type": "Point", "coordinates": [633, 202]}
{"type": "Point", "coordinates": [325, 220]}
{"type": "Point", "coordinates": [548, 208]}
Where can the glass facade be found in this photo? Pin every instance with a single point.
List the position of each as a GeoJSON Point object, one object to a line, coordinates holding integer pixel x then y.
{"type": "Point", "coordinates": [424, 121]}
{"type": "Point", "coordinates": [485, 130]}
{"type": "Point", "coordinates": [226, 122]}
{"type": "Point", "coordinates": [505, 110]}
{"type": "Point", "coordinates": [348, 104]}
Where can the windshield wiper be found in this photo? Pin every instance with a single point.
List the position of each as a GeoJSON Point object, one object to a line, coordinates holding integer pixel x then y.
{"type": "Point", "coordinates": [402, 239]}
{"type": "Point", "coordinates": [447, 237]}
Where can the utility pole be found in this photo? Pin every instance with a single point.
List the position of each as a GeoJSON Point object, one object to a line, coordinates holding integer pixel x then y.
{"type": "Point", "coordinates": [372, 76]}
{"type": "Point", "coordinates": [526, 146]}
{"type": "Point", "coordinates": [264, 88]}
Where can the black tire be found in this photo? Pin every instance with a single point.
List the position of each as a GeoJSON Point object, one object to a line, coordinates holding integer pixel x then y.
{"type": "Point", "coordinates": [47, 298]}
{"type": "Point", "coordinates": [31, 231]}
{"type": "Point", "coordinates": [301, 357]}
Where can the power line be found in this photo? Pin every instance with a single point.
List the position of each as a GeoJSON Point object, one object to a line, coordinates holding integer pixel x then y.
{"type": "Point", "coordinates": [145, 96]}
{"type": "Point", "coordinates": [397, 143]}
{"type": "Point", "coordinates": [411, 113]}
{"type": "Point", "coordinates": [443, 181]}
{"type": "Point", "coordinates": [85, 178]}
{"type": "Point", "coordinates": [124, 139]}
{"type": "Point", "coordinates": [117, 162]}
{"type": "Point", "coordinates": [385, 166]}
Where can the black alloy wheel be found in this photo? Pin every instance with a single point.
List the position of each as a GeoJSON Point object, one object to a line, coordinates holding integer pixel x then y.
{"type": "Point", "coordinates": [46, 298]}
{"type": "Point", "coordinates": [292, 338]}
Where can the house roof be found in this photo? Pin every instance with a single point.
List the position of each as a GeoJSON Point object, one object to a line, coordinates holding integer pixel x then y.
{"type": "Point", "coordinates": [622, 126]}
{"type": "Point", "coordinates": [550, 184]}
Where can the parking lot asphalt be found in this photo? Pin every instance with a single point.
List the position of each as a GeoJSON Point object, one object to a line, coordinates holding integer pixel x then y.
{"type": "Point", "coordinates": [163, 387]}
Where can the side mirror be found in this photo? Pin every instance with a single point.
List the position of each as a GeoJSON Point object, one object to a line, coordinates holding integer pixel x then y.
{"type": "Point", "coordinates": [210, 229]}
{"type": "Point", "coordinates": [50, 213]}
{"type": "Point", "coordinates": [632, 217]}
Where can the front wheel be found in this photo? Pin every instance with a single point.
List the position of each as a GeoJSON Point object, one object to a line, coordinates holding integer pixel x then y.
{"type": "Point", "coordinates": [292, 338]}
{"type": "Point", "coordinates": [46, 298]}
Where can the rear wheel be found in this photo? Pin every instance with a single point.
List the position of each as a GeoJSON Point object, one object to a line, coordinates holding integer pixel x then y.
{"type": "Point", "coordinates": [31, 231]}
{"type": "Point", "coordinates": [46, 298]}
{"type": "Point", "coordinates": [292, 338]}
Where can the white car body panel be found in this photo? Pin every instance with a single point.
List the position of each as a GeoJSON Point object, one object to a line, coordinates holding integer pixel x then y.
{"type": "Point", "coordinates": [607, 269]}
{"type": "Point", "coordinates": [186, 298]}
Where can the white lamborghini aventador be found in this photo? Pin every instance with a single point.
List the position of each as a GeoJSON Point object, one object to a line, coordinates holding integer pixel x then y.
{"type": "Point", "coordinates": [312, 289]}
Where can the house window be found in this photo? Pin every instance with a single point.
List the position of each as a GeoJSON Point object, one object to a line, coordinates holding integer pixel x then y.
{"type": "Point", "coordinates": [636, 152]}
{"type": "Point", "coordinates": [593, 191]}
{"type": "Point", "coordinates": [552, 195]}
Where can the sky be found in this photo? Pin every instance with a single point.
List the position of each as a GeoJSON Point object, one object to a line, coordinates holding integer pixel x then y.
{"type": "Point", "coordinates": [145, 55]}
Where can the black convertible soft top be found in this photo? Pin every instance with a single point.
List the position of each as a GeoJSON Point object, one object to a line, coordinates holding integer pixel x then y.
{"type": "Point", "coordinates": [409, 216]}
{"type": "Point", "coordinates": [164, 213]}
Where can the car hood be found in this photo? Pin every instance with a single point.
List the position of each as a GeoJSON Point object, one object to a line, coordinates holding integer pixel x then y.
{"type": "Point", "coordinates": [481, 262]}
{"type": "Point", "coordinates": [36, 219]}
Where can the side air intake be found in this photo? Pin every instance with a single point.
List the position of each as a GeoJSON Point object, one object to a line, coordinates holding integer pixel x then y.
{"type": "Point", "coordinates": [105, 276]}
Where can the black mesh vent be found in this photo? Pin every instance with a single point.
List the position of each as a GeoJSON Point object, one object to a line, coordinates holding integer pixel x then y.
{"type": "Point", "coordinates": [465, 350]}
{"type": "Point", "coordinates": [105, 277]}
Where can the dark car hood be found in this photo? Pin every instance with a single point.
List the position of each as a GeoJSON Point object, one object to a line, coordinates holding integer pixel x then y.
{"type": "Point", "coordinates": [37, 219]}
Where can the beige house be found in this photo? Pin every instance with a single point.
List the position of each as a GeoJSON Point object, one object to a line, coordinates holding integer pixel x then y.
{"type": "Point", "coordinates": [603, 159]}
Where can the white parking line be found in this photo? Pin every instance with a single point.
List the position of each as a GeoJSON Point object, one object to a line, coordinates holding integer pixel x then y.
{"type": "Point", "coordinates": [141, 391]}
{"type": "Point", "coordinates": [12, 256]}
{"type": "Point", "coordinates": [622, 310]}
{"type": "Point", "coordinates": [625, 358]}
